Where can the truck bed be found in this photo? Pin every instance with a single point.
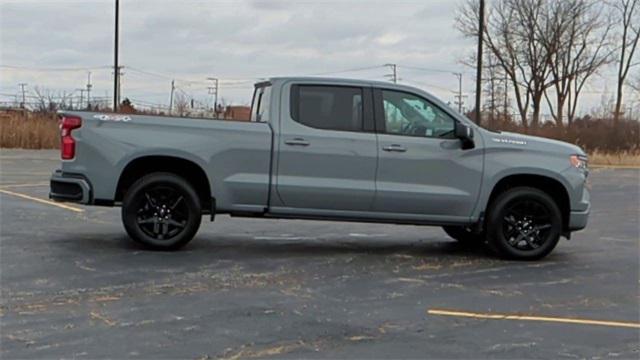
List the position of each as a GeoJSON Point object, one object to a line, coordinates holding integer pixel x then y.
{"type": "Point", "coordinates": [235, 155]}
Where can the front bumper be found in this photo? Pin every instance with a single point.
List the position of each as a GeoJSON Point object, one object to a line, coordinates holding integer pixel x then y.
{"type": "Point", "coordinates": [578, 219]}
{"type": "Point", "coordinates": [66, 187]}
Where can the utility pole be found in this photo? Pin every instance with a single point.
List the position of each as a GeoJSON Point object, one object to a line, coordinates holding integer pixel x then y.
{"type": "Point", "coordinates": [213, 90]}
{"type": "Point", "coordinates": [479, 66]}
{"type": "Point", "coordinates": [89, 86]}
{"type": "Point", "coordinates": [81, 97]}
{"type": "Point", "coordinates": [459, 96]}
{"type": "Point", "coordinates": [116, 68]}
{"type": "Point", "coordinates": [120, 74]}
{"type": "Point", "coordinates": [173, 87]}
{"type": "Point", "coordinates": [394, 75]}
{"type": "Point", "coordinates": [22, 86]}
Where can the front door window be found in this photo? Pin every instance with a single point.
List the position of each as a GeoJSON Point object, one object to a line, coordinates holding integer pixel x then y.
{"type": "Point", "coordinates": [410, 115]}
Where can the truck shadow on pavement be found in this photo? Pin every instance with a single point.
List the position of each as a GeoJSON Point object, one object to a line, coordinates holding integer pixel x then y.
{"type": "Point", "coordinates": [249, 247]}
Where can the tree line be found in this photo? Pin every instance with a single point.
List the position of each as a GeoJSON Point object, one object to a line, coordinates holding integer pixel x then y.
{"type": "Point", "coordinates": [545, 52]}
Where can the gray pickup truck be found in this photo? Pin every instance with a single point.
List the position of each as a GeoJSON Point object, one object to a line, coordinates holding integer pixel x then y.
{"type": "Point", "coordinates": [328, 149]}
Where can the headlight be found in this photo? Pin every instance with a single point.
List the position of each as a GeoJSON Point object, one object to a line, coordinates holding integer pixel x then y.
{"type": "Point", "coordinates": [578, 161]}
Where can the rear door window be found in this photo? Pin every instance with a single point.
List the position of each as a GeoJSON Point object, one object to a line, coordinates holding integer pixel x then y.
{"type": "Point", "coordinates": [328, 107]}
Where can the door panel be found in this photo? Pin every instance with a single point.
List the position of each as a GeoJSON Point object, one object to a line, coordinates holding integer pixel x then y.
{"type": "Point", "coordinates": [431, 177]}
{"type": "Point", "coordinates": [323, 168]}
{"type": "Point", "coordinates": [422, 168]}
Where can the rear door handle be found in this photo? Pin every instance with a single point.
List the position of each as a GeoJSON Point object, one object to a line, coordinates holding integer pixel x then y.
{"type": "Point", "coordinates": [394, 148]}
{"type": "Point", "coordinates": [297, 142]}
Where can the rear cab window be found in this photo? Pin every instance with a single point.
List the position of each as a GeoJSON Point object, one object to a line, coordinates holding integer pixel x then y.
{"type": "Point", "coordinates": [328, 107]}
{"type": "Point", "coordinates": [261, 102]}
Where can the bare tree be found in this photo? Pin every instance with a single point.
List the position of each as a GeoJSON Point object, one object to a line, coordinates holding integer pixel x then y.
{"type": "Point", "coordinates": [181, 104]}
{"type": "Point", "coordinates": [628, 16]}
{"type": "Point", "coordinates": [513, 35]}
{"type": "Point", "coordinates": [495, 90]}
{"type": "Point", "coordinates": [41, 98]}
{"type": "Point", "coordinates": [577, 42]}
{"type": "Point", "coordinates": [48, 100]}
{"type": "Point", "coordinates": [635, 83]}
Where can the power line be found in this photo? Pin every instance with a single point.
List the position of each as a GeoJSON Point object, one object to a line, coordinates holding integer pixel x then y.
{"type": "Point", "coordinates": [349, 70]}
{"type": "Point", "coordinates": [430, 85]}
{"type": "Point", "coordinates": [459, 97]}
{"type": "Point", "coordinates": [394, 72]}
{"type": "Point", "coordinates": [431, 69]}
{"type": "Point", "coordinates": [55, 68]}
{"type": "Point", "coordinates": [150, 73]}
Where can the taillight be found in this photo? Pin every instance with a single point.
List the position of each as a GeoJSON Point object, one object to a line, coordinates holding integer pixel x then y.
{"type": "Point", "coordinates": [67, 142]}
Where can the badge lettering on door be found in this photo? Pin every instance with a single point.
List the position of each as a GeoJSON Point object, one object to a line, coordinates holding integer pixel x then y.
{"type": "Point", "coordinates": [509, 141]}
{"type": "Point", "coordinates": [109, 117]}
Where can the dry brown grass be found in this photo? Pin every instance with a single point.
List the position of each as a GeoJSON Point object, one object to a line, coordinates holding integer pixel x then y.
{"type": "Point", "coordinates": [29, 130]}
{"type": "Point", "coordinates": [622, 158]}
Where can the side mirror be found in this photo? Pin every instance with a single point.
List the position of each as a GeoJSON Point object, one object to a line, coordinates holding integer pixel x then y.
{"type": "Point", "coordinates": [465, 134]}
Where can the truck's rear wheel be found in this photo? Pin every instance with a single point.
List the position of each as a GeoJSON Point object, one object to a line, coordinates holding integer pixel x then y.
{"type": "Point", "coordinates": [161, 211]}
{"type": "Point", "coordinates": [524, 223]}
{"type": "Point", "coordinates": [464, 235]}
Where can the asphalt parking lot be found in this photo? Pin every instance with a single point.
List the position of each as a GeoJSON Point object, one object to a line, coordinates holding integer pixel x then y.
{"type": "Point", "coordinates": [74, 286]}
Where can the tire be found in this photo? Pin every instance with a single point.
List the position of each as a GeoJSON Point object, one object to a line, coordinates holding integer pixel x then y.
{"type": "Point", "coordinates": [523, 224]}
{"type": "Point", "coordinates": [161, 211]}
{"type": "Point", "coordinates": [464, 235]}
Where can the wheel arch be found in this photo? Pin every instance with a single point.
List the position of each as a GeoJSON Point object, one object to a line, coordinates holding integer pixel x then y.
{"type": "Point", "coordinates": [554, 188]}
{"type": "Point", "coordinates": [187, 169]}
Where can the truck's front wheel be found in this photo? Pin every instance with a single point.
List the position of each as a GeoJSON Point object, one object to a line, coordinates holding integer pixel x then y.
{"type": "Point", "coordinates": [523, 223]}
{"type": "Point", "coordinates": [161, 211]}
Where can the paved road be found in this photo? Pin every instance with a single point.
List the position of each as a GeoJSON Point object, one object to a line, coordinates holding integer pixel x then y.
{"type": "Point", "coordinates": [74, 286]}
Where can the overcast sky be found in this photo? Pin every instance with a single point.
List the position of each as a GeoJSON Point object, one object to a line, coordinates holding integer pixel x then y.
{"type": "Point", "coordinates": [236, 41]}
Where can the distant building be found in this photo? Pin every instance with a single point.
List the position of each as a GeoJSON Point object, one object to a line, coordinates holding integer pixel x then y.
{"type": "Point", "coordinates": [240, 113]}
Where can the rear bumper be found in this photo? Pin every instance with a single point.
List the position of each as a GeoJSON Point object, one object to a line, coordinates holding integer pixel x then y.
{"type": "Point", "coordinates": [66, 187]}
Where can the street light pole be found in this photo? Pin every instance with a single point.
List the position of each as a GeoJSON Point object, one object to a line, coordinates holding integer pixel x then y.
{"type": "Point", "coordinates": [89, 86]}
{"type": "Point", "coordinates": [173, 88]}
{"type": "Point", "coordinates": [116, 67]}
{"type": "Point", "coordinates": [22, 85]}
{"type": "Point", "coordinates": [459, 76]}
{"type": "Point", "coordinates": [394, 74]}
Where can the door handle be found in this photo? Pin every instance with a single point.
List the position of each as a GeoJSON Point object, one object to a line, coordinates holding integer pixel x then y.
{"type": "Point", "coordinates": [297, 142]}
{"type": "Point", "coordinates": [394, 148]}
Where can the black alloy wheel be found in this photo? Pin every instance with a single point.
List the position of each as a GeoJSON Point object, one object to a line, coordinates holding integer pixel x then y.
{"type": "Point", "coordinates": [523, 223]}
{"type": "Point", "coordinates": [527, 224]}
{"type": "Point", "coordinates": [162, 211]}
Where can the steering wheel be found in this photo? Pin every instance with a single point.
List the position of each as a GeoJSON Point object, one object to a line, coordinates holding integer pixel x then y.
{"type": "Point", "coordinates": [407, 128]}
